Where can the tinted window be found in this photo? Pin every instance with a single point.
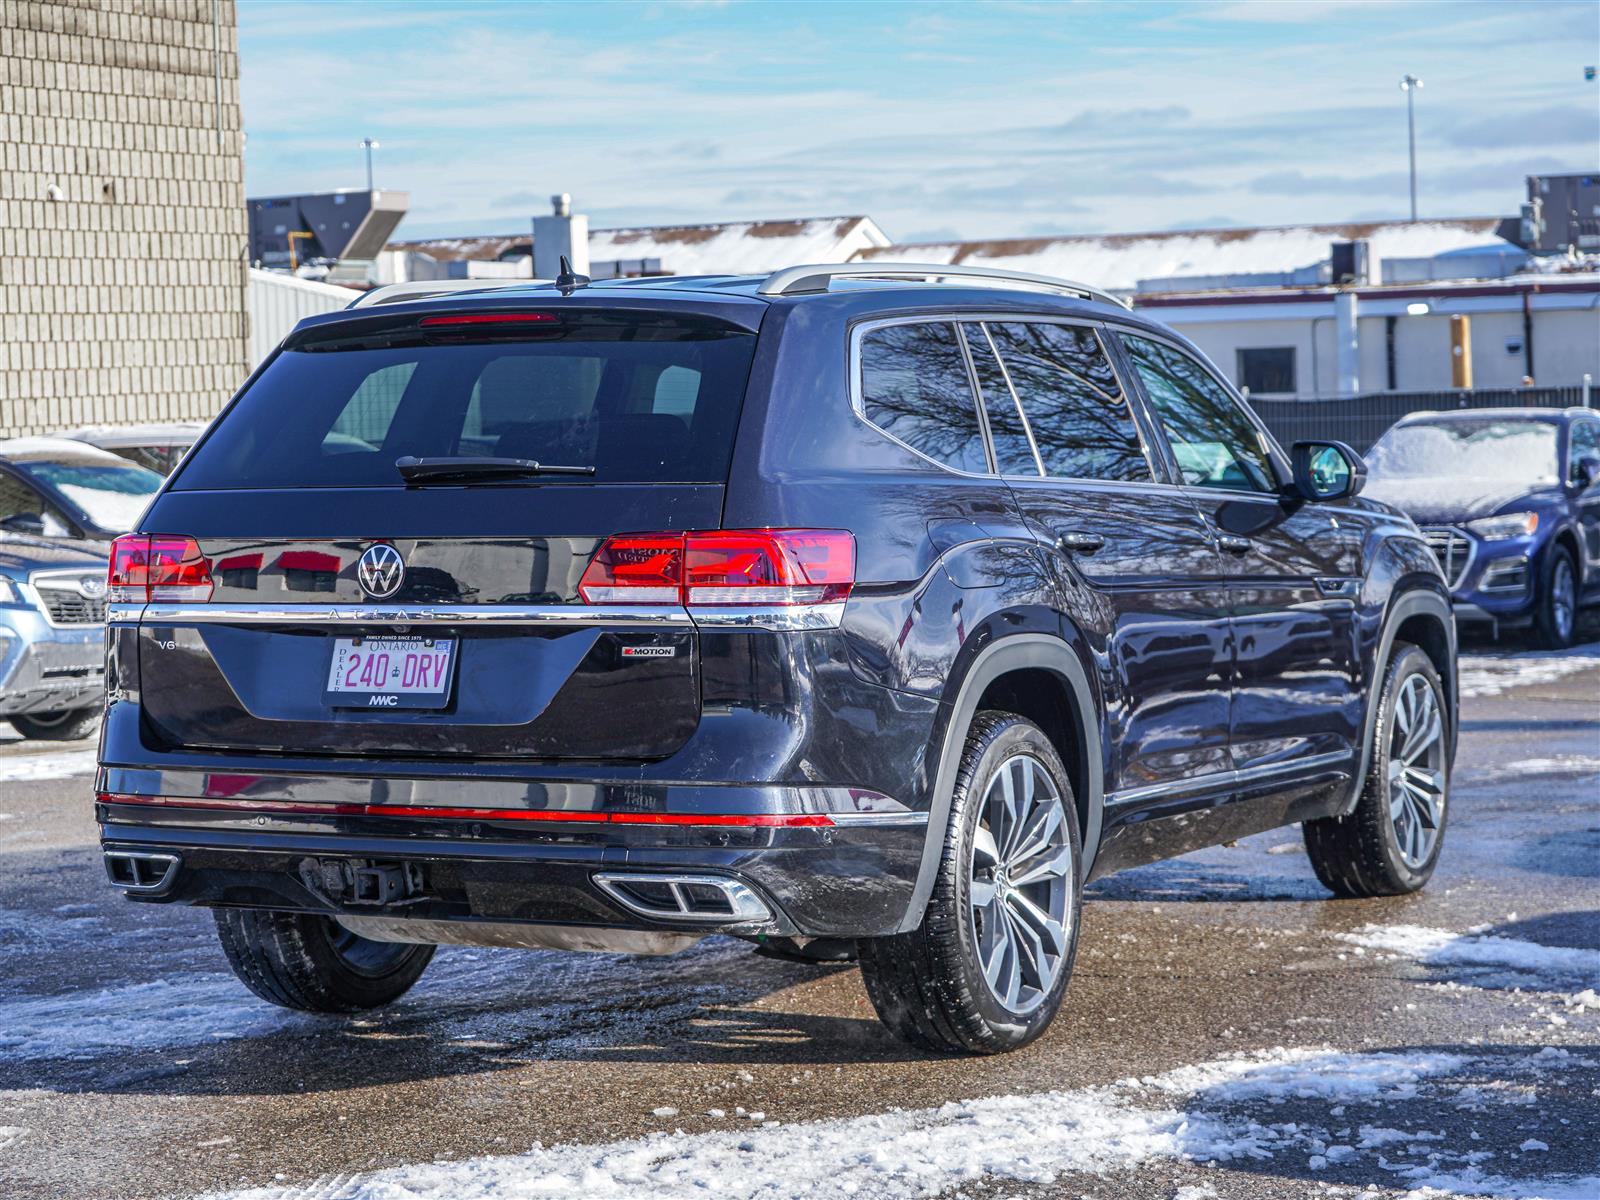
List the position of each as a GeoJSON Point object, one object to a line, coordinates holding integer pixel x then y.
{"type": "Point", "coordinates": [914, 385]}
{"type": "Point", "coordinates": [1074, 404]}
{"type": "Point", "coordinates": [1215, 442]}
{"type": "Point", "coordinates": [1584, 442]}
{"type": "Point", "coordinates": [640, 401]}
{"type": "Point", "coordinates": [1013, 455]}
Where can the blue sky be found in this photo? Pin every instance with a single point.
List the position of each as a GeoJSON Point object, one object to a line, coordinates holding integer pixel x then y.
{"type": "Point", "coordinates": [980, 119]}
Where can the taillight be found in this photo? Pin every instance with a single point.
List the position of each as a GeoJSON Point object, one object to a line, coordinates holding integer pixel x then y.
{"type": "Point", "coordinates": [746, 567]}
{"type": "Point", "coordinates": [768, 566]}
{"type": "Point", "coordinates": [635, 568]}
{"type": "Point", "coordinates": [158, 568]}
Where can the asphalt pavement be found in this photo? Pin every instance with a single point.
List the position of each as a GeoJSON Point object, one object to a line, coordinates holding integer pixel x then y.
{"type": "Point", "coordinates": [1231, 1031]}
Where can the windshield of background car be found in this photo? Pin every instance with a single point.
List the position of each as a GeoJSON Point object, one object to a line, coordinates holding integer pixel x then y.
{"type": "Point", "coordinates": [113, 496]}
{"type": "Point", "coordinates": [1507, 451]}
{"type": "Point", "coordinates": [639, 399]}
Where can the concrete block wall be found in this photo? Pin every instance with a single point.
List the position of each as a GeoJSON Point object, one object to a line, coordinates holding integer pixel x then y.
{"type": "Point", "coordinates": [122, 214]}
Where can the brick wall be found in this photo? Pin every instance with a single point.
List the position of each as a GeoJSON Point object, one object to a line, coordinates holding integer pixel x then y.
{"type": "Point", "coordinates": [122, 215]}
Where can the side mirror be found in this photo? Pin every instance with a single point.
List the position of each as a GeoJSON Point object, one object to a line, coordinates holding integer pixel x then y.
{"type": "Point", "coordinates": [28, 523]}
{"type": "Point", "coordinates": [1327, 470]}
{"type": "Point", "coordinates": [1587, 470]}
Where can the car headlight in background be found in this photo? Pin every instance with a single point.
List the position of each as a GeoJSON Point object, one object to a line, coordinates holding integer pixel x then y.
{"type": "Point", "coordinates": [1507, 525]}
{"type": "Point", "coordinates": [9, 592]}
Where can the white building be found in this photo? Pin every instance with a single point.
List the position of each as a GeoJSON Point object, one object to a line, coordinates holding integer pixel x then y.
{"type": "Point", "coordinates": [732, 247]}
{"type": "Point", "coordinates": [1263, 303]}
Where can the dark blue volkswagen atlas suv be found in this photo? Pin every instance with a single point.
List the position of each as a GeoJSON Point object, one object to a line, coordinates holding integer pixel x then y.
{"type": "Point", "coordinates": [857, 610]}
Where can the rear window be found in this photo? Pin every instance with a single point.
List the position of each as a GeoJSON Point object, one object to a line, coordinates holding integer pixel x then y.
{"type": "Point", "coordinates": [640, 401]}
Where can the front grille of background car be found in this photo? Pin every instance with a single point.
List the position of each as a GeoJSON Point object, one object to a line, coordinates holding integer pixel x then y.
{"type": "Point", "coordinates": [1452, 548]}
{"type": "Point", "coordinates": [69, 608]}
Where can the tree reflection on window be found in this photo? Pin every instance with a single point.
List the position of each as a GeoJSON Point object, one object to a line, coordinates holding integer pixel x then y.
{"type": "Point", "coordinates": [914, 385]}
{"type": "Point", "coordinates": [1215, 443]}
{"type": "Point", "coordinates": [1074, 404]}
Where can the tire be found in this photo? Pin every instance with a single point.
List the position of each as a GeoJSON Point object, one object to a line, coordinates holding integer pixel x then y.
{"type": "Point", "coordinates": [1386, 846]}
{"type": "Point", "coordinates": [63, 725]}
{"type": "Point", "coordinates": [929, 986]}
{"type": "Point", "coordinates": [1555, 617]}
{"type": "Point", "coordinates": [310, 963]}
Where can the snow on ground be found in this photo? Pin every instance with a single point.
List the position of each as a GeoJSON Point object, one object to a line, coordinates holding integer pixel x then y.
{"type": "Point", "coordinates": [59, 764]}
{"type": "Point", "coordinates": [1491, 961]}
{"type": "Point", "coordinates": [482, 996]}
{"type": "Point", "coordinates": [1491, 674]}
{"type": "Point", "coordinates": [1192, 1114]}
{"type": "Point", "coordinates": [1560, 764]}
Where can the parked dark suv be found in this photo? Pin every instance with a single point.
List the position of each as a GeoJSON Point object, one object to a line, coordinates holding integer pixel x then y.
{"type": "Point", "coordinates": [873, 604]}
{"type": "Point", "coordinates": [1509, 499]}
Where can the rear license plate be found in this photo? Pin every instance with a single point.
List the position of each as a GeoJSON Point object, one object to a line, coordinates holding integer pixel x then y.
{"type": "Point", "coordinates": [390, 672]}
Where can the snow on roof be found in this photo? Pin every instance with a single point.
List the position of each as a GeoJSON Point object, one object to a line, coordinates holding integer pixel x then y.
{"type": "Point", "coordinates": [26, 449]}
{"type": "Point", "coordinates": [728, 248]}
{"type": "Point", "coordinates": [1119, 261]}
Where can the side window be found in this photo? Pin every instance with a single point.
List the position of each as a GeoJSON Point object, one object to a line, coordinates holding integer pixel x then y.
{"type": "Point", "coordinates": [1075, 407]}
{"type": "Point", "coordinates": [1013, 455]}
{"type": "Point", "coordinates": [914, 386]}
{"type": "Point", "coordinates": [1583, 441]}
{"type": "Point", "coordinates": [364, 422]}
{"type": "Point", "coordinates": [17, 499]}
{"type": "Point", "coordinates": [1215, 443]}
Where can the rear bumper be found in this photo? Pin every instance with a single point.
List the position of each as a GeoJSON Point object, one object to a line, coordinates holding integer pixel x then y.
{"type": "Point", "coordinates": [850, 879]}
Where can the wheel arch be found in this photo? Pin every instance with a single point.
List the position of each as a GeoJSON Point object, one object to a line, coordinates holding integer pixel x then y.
{"type": "Point", "coordinates": [1423, 618]}
{"type": "Point", "coordinates": [1041, 673]}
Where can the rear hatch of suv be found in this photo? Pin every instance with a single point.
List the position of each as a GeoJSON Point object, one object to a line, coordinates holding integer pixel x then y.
{"type": "Point", "coordinates": [380, 548]}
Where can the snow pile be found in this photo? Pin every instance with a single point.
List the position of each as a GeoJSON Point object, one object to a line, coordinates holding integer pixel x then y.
{"type": "Point", "coordinates": [31, 768]}
{"type": "Point", "coordinates": [1545, 968]}
{"type": "Point", "coordinates": [1489, 675]}
{"type": "Point", "coordinates": [1191, 1114]}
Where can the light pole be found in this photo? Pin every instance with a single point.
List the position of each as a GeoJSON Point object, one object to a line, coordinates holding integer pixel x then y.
{"type": "Point", "coordinates": [1410, 85]}
{"type": "Point", "coordinates": [372, 144]}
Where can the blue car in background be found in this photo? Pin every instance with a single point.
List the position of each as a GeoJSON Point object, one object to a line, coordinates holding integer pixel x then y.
{"type": "Point", "coordinates": [61, 502]}
{"type": "Point", "coordinates": [1509, 499]}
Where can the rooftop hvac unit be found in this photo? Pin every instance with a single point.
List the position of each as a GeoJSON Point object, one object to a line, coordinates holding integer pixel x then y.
{"type": "Point", "coordinates": [286, 231]}
{"type": "Point", "coordinates": [1350, 263]}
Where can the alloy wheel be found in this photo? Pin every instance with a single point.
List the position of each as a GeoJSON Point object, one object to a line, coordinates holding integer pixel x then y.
{"type": "Point", "coordinates": [1020, 883]}
{"type": "Point", "coordinates": [1416, 770]}
{"type": "Point", "coordinates": [1563, 598]}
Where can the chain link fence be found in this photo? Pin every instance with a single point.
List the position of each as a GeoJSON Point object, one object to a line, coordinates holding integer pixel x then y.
{"type": "Point", "coordinates": [1362, 420]}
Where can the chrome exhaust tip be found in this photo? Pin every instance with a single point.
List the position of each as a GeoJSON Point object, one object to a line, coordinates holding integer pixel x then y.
{"type": "Point", "coordinates": [140, 872]}
{"type": "Point", "coordinates": [709, 898]}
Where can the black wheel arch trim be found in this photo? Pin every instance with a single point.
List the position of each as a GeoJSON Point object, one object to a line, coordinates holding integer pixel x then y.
{"type": "Point", "coordinates": [1419, 601]}
{"type": "Point", "coordinates": [1015, 652]}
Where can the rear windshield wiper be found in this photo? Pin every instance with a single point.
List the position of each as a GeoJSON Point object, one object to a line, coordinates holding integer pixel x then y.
{"type": "Point", "coordinates": [430, 470]}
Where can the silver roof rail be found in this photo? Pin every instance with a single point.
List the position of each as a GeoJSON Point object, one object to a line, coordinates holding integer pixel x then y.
{"type": "Point", "coordinates": [422, 289]}
{"type": "Point", "coordinates": [793, 281]}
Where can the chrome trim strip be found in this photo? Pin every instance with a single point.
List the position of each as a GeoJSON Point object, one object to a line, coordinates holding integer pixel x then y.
{"type": "Point", "coordinates": [775, 616]}
{"type": "Point", "coordinates": [908, 820]}
{"type": "Point", "coordinates": [402, 614]}
{"type": "Point", "coordinates": [1215, 779]}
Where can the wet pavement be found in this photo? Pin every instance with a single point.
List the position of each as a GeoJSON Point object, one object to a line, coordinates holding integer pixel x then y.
{"type": "Point", "coordinates": [1223, 1009]}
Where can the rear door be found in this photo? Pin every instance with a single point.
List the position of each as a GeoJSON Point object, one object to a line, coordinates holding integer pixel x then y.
{"type": "Point", "coordinates": [1294, 573]}
{"type": "Point", "coordinates": [354, 613]}
{"type": "Point", "coordinates": [1125, 544]}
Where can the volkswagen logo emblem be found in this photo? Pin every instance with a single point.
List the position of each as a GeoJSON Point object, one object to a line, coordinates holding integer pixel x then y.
{"type": "Point", "coordinates": [381, 571]}
{"type": "Point", "coordinates": [92, 586]}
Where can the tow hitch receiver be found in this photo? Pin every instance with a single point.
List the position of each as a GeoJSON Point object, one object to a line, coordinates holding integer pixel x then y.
{"type": "Point", "coordinates": [359, 882]}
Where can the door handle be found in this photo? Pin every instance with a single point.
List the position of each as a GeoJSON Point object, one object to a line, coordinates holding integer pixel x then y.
{"type": "Point", "coordinates": [1235, 545]}
{"type": "Point", "coordinates": [1079, 542]}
